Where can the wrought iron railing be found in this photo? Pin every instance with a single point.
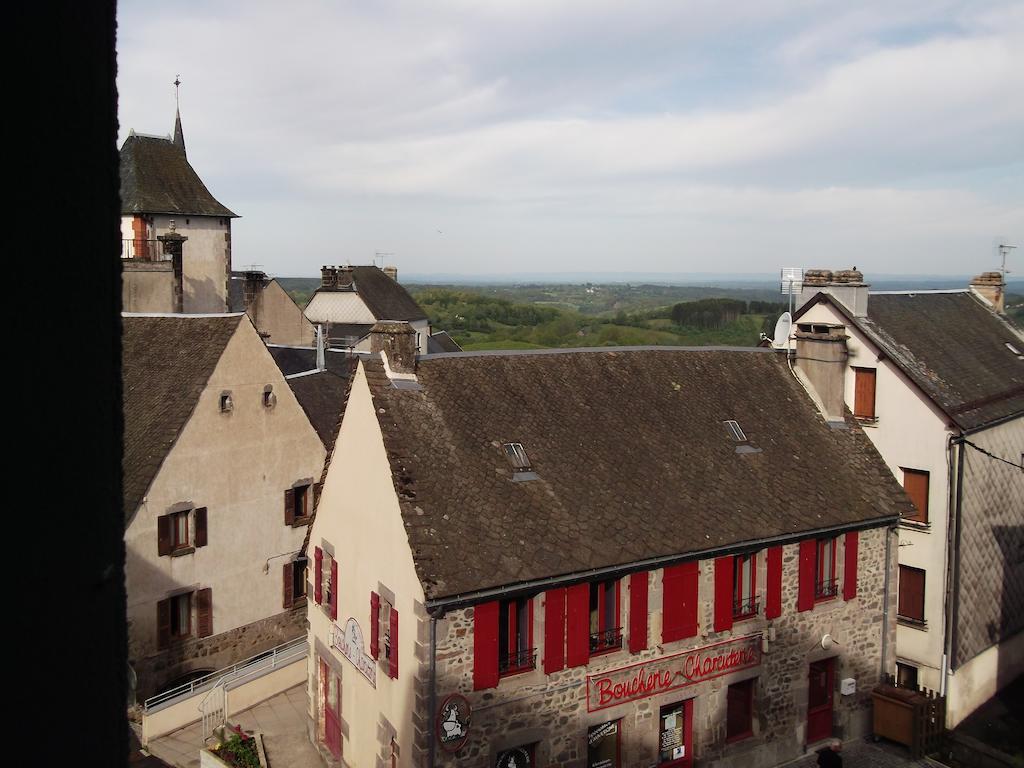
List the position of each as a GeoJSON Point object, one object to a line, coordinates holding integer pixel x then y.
{"type": "Point", "coordinates": [746, 606]}
{"type": "Point", "coordinates": [606, 640]}
{"type": "Point", "coordinates": [828, 588]}
{"type": "Point", "coordinates": [144, 250]}
{"type": "Point", "coordinates": [517, 661]}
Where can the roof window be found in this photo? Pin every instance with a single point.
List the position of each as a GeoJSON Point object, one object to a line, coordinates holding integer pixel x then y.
{"type": "Point", "coordinates": [516, 455]}
{"type": "Point", "coordinates": [733, 428]}
{"type": "Point", "coordinates": [1013, 349]}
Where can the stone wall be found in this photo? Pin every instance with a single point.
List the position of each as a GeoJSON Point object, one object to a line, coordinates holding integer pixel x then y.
{"type": "Point", "coordinates": [551, 710]}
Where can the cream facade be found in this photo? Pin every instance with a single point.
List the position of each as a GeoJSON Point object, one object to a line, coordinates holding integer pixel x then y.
{"type": "Point", "coordinates": [348, 308]}
{"type": "Point", "coordinates": [279, 319]}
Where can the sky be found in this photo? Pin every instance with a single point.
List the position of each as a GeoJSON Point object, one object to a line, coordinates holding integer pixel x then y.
{"type": "Point", "coordinates": [535, 136]}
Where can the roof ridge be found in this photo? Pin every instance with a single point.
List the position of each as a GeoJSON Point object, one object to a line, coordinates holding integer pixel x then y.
{"type": "Point", "coordinates": [595, 350]}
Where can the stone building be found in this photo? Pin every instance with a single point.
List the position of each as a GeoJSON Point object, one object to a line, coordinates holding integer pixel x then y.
{"type": "Point", "coordinates": [220, 470]}
{"type": "Point", "coordinates": [613, 557]}
{"type": "Point", "coordinates": [275, 314]}
{"type": "Point", "coordinates": [936, 381]}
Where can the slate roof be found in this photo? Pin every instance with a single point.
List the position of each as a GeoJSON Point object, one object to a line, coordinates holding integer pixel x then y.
{"type": "Point", "coordinates": [387, 299]}
{"type": "Point", "coordinates": [156, 177]}
{"type": "Point", "coordinates": [339, 331]}
{"type": "Point", "coordinates": [631, 456]}
{"type": "Point", "coordinates": [441, 342]}
{"type": "Point", "coordinates": [165, 365]}
{"type": "Point", "coordinates": [322, 396]}
{"type": "Point", "coordinates": [950, 345]}
{"type": "Point", "coordinates": [292, 360]}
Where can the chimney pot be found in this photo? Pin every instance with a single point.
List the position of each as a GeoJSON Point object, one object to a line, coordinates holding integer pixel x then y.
{"type": "Point", "coordinates": [328, 277]}
{"type": "Point", "coordinates": [391, 272]}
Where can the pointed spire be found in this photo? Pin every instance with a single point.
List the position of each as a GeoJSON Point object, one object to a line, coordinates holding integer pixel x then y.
{"type": "Point", "coordinates": [179, 135]}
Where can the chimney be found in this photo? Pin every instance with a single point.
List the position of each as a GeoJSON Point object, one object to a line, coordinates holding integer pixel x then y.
{"type": "Point", "coordinates": [345, 277]}
{"type": "Point", "coordinates": [252, 286]}
{"type": "Point", "coordinates": [173, 246]}
{"type": "Point", "coordinates": [397, 341]}
{"type": "Point", "coordinates": [847, 286]}
{"type": "Point", "coordinates": [821, 356]}
{"type": "Point", "coordinates": [391, 272]}
{"type": "Point", "coordinates": [991, 287]}
{"type": "Point", "coordinates": [328, 277]}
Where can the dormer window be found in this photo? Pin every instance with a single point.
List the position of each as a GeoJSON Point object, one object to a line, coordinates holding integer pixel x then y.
{"type": "Point", "coordinates": [226, 403]}
{"type": "Point", "coordinates": [734, 430]}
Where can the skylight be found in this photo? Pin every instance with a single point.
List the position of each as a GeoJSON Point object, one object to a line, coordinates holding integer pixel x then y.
{"type": "Point", "coordinates": [733, 428]}
{"type": "Point", "coordinates": [1013, 349]}
{"type": "Point", "coordinates": [516, 455]}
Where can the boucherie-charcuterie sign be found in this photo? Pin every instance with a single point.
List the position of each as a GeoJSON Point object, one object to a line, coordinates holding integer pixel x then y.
{"type": "Point", "coordinates": [649, 678]}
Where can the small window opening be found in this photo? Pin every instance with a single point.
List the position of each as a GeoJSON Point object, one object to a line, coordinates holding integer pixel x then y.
{"type": "Point", "coordinates": [269, 398]}
{"type": "Point", "coordinates": [517, 456]}
{"type": "Point", "coordinates": [733, 428]}
{"type": "Point", "coordinates": [226, 403]}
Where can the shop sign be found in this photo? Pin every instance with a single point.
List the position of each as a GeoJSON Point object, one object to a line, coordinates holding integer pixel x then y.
{"type": "Point", "coordinates": [350, 642]}
{"type": "Point", "coordinates": [669, 673]}
{"type": "Point", "coordinates": [453, 722]}
{"type": "Point", "coordinates": [603, 745]}
{"type": "Point", "coordinates": [518, 757]}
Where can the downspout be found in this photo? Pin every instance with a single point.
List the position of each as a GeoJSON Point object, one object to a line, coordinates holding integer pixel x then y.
{"type": "Point", "coordinates": [433, 692]}
{"type": "Point", "coordinates": [953, 567]}
{"type": "Point", "coordinates": [889, 532]}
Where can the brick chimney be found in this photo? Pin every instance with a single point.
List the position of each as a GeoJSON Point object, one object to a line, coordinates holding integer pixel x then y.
{"type": "Point", "coordinates": [992, 288]}
{"type": "Point", "coordinates": [391, 272]}
{"type": "Point", "coordinates": [847, 286]}
{"type": "Point", "coordinates": [252, 286]}
{"type": "Point", "coordinates": [328, 277]}
{"type": "Point", "coordinates": [397, 340]}
{"type": "Point", "coordinates": [821, 356]}
{"type": "Point", "coordinates": [345, 277]}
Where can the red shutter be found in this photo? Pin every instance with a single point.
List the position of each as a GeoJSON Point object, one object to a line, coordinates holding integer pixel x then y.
{"type": "Point", "coordinates": [850, 566]}
{"type": "Point", "coordinates": [163, 535]}
{"type": "Point", "coordinates": [318, 578]}
{"type": "Point", "coordinates": [393, 661]}
{"type": "Point", "coordinates": [680, 602]}
{"type": "Point", "coordinates": [289, 597]}
{"type": "Point", "coordinates": [204, 611]}
{"type": "Point", "coordinates": [554, 630]}
{"type": "Point", "coordinates": [163, 624]}
{"type": "Point", "coordinates": [773, 599]}
{"type": "Point", "coordinates": [334, 589]}
{"type": "Point", "coordinates": [808, 559]}
{"type": "Point", "coordinates": [289, 506]}
{"type": "Point", "coordinates": [723, 593]}
{"type": "Point", "coordinates": [638, 612]}
{"type": "Point", "coordinates": [485, 646]}
{"type": "Point", "coordinates": [201, 527]}
{"type": "Point", "coordinates": [374, 625]}
{"type": "Point", "coordinates": [577, 643]}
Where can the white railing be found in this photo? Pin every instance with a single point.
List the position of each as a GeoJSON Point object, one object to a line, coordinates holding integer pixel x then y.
{"type": "Point", "coordinates": [213, 709]}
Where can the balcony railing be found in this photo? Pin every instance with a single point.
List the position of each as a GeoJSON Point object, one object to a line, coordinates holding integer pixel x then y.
{"type": "Point", "coordinates": [517, 661]}
{"type": "Point", "coordinates": [744, 608]}
{"type": "Point", "coordinates": [607, 640]}
{"type": "Point", "coordinates": [824, 589]}
{"type": "Point", "coordinates": [144, 250]}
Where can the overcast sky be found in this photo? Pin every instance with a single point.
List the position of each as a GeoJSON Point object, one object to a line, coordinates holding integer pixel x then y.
{"type": "Point", "coordinates": [592, 136]}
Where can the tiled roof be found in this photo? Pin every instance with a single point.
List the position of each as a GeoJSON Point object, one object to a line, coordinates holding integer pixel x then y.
{"type": "Point", "coordinates": [632, 461]}
{"type": "Point", "coordinates": [156, 177]}
{"type": "Point", "coordinates": [953, 347]}
{"type": "Point", "coordinates": [292, 360]}
{"type": "Point", "coordinates": [322, 396]}
{"type": "Point", "coordinates": [165, 364]}
{"type": "Point", "coordinates": [442, 342]}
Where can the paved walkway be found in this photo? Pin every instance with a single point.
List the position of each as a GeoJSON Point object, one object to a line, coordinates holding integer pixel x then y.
{"type": "Point", "coordinates": [867, 754]}
{"type": "Point", "coordinates": [281, 719]}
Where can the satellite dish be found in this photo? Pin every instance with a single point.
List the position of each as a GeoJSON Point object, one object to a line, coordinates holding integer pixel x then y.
{"type": "Point", "coordinates": [782, 330]}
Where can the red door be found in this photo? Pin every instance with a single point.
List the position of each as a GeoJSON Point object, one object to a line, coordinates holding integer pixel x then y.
{"type": "Point", "coordinates": [330, 686]}
{"type": "Point", "coordinates": [819, 700]}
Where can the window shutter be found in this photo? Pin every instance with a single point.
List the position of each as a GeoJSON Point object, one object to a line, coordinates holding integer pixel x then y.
{"type": "Point", "coordinates": [915, 482]}
{"type": "Point", "coordinates": [723, 593]}
{"type": "Point", "coordinates": [163, 535]}
{"type": "Point", "coordinates": [808, 560]}
{"type": "Point", "coordinates": [773, 598]}
{"type": "Point", "coordinates": [289, 506]}
{"type": "Point", "coordinates": [864, 393]}
{"type": "Point", "coordinates": [577, 644]}
{"type": "Point", "coordinates": [393, 661]}
{"type": "Point", "coordinates": [910, 603]}
{"type": "Point", "coordinates": [680, 602]}
{"type": "Point", "coordinates": [374, 625]}
{"type": "Point", "coordinates": [318, 579]}
{"type": "Point", "coordinates": [850, 566]}
{"type": "Point", "coordinates": [334, 589]}
{"type": "Point", "coordinates": [201, 527]}
{"type": "Point", "coordinates": [638, 612]}
{"type": "Point", "coordinates": [289, 597]}
{"type": "Point", "coordinates": [485, 646]}
{"type": "Point", "coordinates": [204, 611]}
{"type": "Point", "coordinates": [554, 630]}
{"type": "Point", "coordinates": [163, 624]}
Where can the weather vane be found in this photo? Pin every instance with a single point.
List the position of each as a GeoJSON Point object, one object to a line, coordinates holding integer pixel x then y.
{"type": "Point", "coordinates": [177, 84]}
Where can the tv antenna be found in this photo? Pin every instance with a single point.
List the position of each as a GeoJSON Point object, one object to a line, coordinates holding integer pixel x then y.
{"type": "Point", "coordinates": [381, 255]}
{"type": "Point", "coordinates": [1004, 251]}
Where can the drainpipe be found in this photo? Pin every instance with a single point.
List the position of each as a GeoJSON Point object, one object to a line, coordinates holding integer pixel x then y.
{"type": "Point", "coordinates": [952, 548]}
{"type": "Point", "coordinates": [889, 532]}
{"type": "Point", "coordinates": [433, 692]}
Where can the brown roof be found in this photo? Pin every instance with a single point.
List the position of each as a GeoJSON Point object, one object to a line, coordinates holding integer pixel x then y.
{"type": "Point", "coordinates": [165, 364]}
{"type": "Point", "coordinates": [952, 346]}
{"type": "Point", "coordinates": [322, 396]}
{"type": "Point", "coordinates": [156, 177]}
{"type": "Point", "coordinates": [632, 461]}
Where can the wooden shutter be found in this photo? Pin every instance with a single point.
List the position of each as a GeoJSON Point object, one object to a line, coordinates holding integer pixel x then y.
{"type": "Point", "coordinates": [289, 507]}
{"type": "Point", "coordinates": [374, 625]}
{"type": "Point", "coordinates": [577, 642]}
{"type": "Point", "coordinates": [638, 612]}
{"type": "Point", "coordinates": [915, 482]}
{"type": "Point", "coordinates": [334, 589]}
{"type": "Point", "coordinates": [289, 585]}
{"type": "Point", "coordinates": [318, 577]}
{"type": "Point", "coordinates": [201, 527]}
{"type": "Point", "coordinates": [393, 661]}
{"type": "Point", "coordinates": [163, 624]}
{"type": "Point", "coordinates": [911, 593]}
{"type": "Point", "coordinates": [485, 646]}
{"type": "Point", "coordinates": [723, 593]}
{"type": "Point", "coordinates": [163, 535]}
{"type": "Point", "coordinates": [680, 602]}
{"type": "Point", "coordinates": [864, 393]}
{"type": "Point", "coordinates": [554, 630]}
{"type": "Point", "coordinates": [850, 565]}
{"type": "Point", "coordinates": [204, 612]}
{"type": "Point", "coordinates": [808, 560]}
{"type": "Point", "coordinates": [773, 597]}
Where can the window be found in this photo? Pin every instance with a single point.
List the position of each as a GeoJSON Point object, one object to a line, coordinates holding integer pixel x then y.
{"type": "Point", "coordinates": [181, 616]}
{"type": "Point", "coordinates": [516, 455]}
{"type": "Point", "coordinates": [906, 676]}
{"type": "Point", "coordinates": [739, 717]}
{"type": "Point", "coordinates": [605, 632]}
{"type": "Point", "coordinates": [294, 583]}
{"type": "Point", "coordinates": [384, 630]}
{"type": "Point", "coordinates": [915, 482]}
{"type": "Point", "coordinates": [269, 398]}
{"type": "Point", "coordinates": [174, 617]}
{"type": "Point", "coordinates": [673, 734]}
{"type": "Point", "coordinates": [180, 533]}
{"type": "Point", "coordinates": [298, 505]}
{"type": "Point", "coordinates": [744, 590]}
{"type": "Point", "coordinates": [825, 585]}
{"type": "Point", "coordinates": [226, 403]}
{"type": "Point", "coordinates": [179, 530]}
{"type": "Point", "coordinates": [911, 597]}
{"type": "Point", "coordinates": [603, 749]}
{"type": "Point", "coordinates": [515, 636]}
{"type": "Point", "coordinates": [734, 430]}
{"type": "Point", "coordinates": [327, 572]}
{"type": "Point", "coordinates": [864, 394]}
{"type": "Point", "coordinates": [517, 757]}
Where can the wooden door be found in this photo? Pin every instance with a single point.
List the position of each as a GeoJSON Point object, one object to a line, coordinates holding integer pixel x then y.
{"type": "Point", "coordinates": [819, 700]}
{"type": "Point", "coordinates": [331, 702]}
